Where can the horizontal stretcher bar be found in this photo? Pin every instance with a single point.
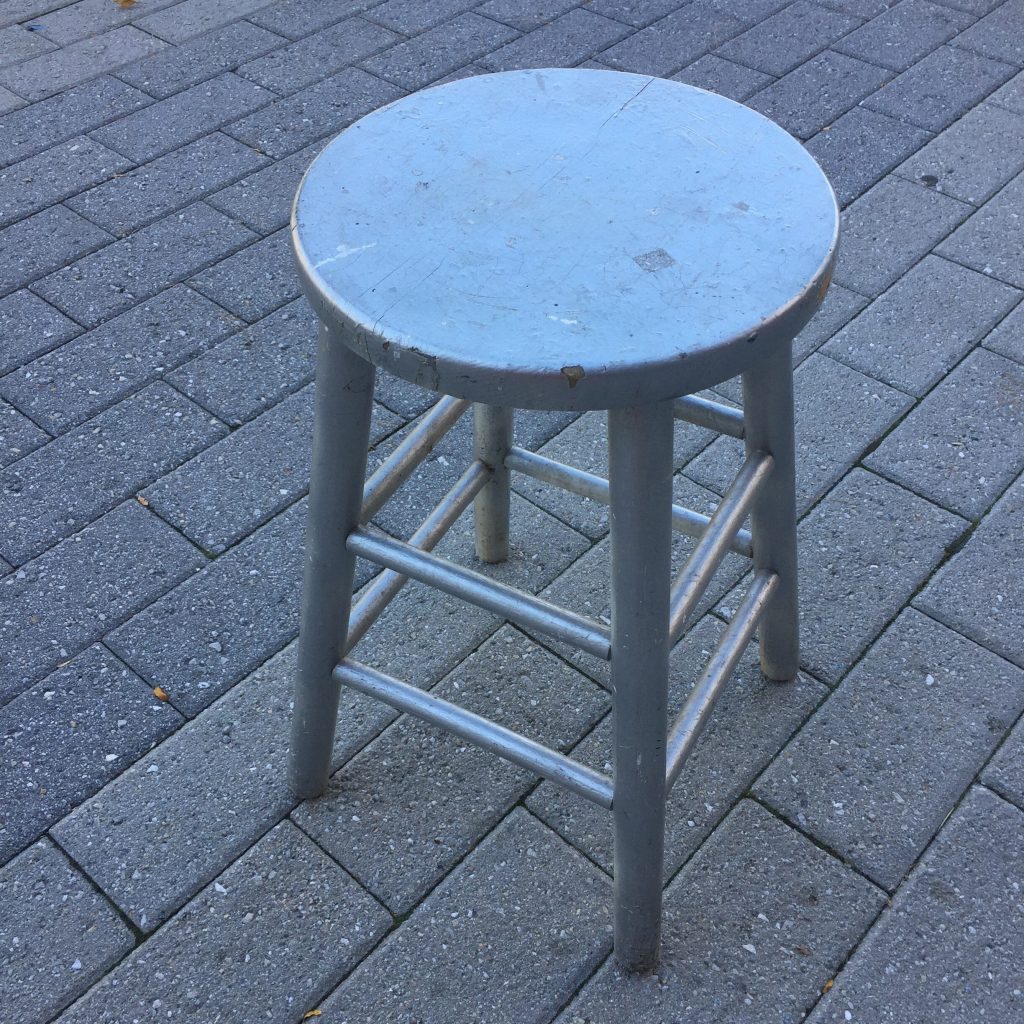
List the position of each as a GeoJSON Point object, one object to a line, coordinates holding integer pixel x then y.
{"type": "Point", "coordinates": [684, 520]}
{"type": "Point", "coordinates": [378, 594]}
{"type": "Point", "coordinates": [709, 551]}
{"type": "Point", "coordinates": [687, 726]}
{"type": "Point", "coordinates": [712, 415]}
{"type": "Point", "coordinates": [400, 464]}
{"type": "Point", "coordinates": [514, 605]}
{"type": "Point", "coordinates": [482, 731]}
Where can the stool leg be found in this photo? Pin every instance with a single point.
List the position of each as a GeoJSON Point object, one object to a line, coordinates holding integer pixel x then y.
{"type": "Point", "coordinates": [492, 435]}
{"type": "Point", "coordinates": [768, 416]}
{"type": "Point", "coordinates": [344, 401]}
{"type": "Point", "coordinates": [640, 475]}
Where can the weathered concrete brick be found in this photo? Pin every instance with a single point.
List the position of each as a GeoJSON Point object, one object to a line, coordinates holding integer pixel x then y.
{"type": "Point", "coordinates": [974, 593]}
{"type": "Point", "coordinates": [913, 334]}
{"type": "Point", "coordinates": [183, 117]}
{"type": "Point", "coordinates": [159, 833]}
{"type": "Point", "coordinates": [75, 381]}
{"type": "Point", "coordinates": [179, 67]}
{"type": "Point", "coordinates": [323, 109]}
{"type": "Point", "coordinates": [1011, 95]}
{"type": "Point", "coordinates": [965, 442]}
{"type": "Point", "coordinates": [1008, 338]}
{"type": "Point", "coordinates": [889, 229]}
{"type": "Point", "coordinates": [816, 93]}
{"type": "Point", "coordinates": [317, 56]}
{"type": "Point", "coordinates": [564, 42]}
{"type": "Point", "coordinates": [13, 11]}
{"type": "Point", "coordinates": [754, 926]}
{"type": "Point", "coordinates": [1005, 772]}
{"type": "Point", "coordinates": [41, 243]}
{"type": "Point", "coordinates": [9, 102]}
{"type": "Point", "coordinates": [297, 18]}
{"type": "Point", "coordinates": [640, 13]}
{"type": "Point", "coordinates": [194, 17]}
{"type": "Point", "coordinates": [96, 465]}
{"type": "Point", "coordinates": [85, 18]}
{"type": "Point", "coordinates": [948, 945]}
{"type": "Point", "coordinates": [18, 435]}
{"type": "Point", "coordinates": [129, 201]}
{"type": "Point", "coordinates": [112, 280]}
{"type": "Point", "coordinates": [974, 157]}
{"type": "Point", "coordinates": [29, 327]}
{"type": "Point", "coordinates": [410, 17]}
{"type": "Point", "coordinates": [58, 604]}
{"type": "Point", "coordinates": [999, 35]}
{"type": "Point", "coordinates": [18, 44]}
{"type": "Point", "coordinates": [752, 719]}
{"type": "Point", "coordinates": [860, 776]}
{"type": "Point", "coordinates": [992, 241]}
{"type": "Point", "coordinates": [66, 737]}
{"type": "Point", "coordinates": [398, 846]}
{"type": "Point", "coordinates": [716, 74]}
{"type": "Point", "coordinates": [533, 13]}
{"type": "Point", "coordinates": [57, 934]}
{"type": "Point", "coordinates": [523, 907]}
{"type": "Point", "coordinates": [940, 88]}
{"type": "Point", "coordinates": [51, 73]}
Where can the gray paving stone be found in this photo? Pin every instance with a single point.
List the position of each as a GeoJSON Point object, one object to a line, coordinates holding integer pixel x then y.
{"type": "Point", "coordinates": [904, 34]}
{"type": "Point", "coordinates": [33, 184]}
{"type": "Point", "coordinates": [534, 13]}
{"type": "Point", "coordinates": [263, 200]}
{"type": "Point", "coordinates": [9, 102]}
{"type": "Point", "coordinates": [975, 592]}
{"type": "Point", "coordinates": [992, 241]}
{"type": "Point", "coordinates": [862, 146]}
{"type": "Point", "coordinates": [1011, 95]}
{"type": "Point", "coordinates": [39, 126]}
{"type": "Point", "coordinates": [156, 835]}
{"type": "Point", "coordinates": [85, 18]}
{"type": "Point", "coordinates": [999, 35]}
{"type": "Point", "coordinates": [277, 930]}
{"type": "Point", "coordinates": [255, 281]}
{"type": "Point", "coordinates": [40, 243]}
{"type": "Point", "coordinates": [1008, 338]}
{"type": "Point", "coordinates": [1005, 772]}
{"type": "Point", "coordinates": [13, 11]}
{"type": "Point", "coordinates": [29, 327]}
{"type": "Point", "coordinates": [964, 443]}
{"type": "Point", "coordinates": [976, 7]}
{"type": "Point", "coordinates": [678, 39]}
{"type": "Point", "coordinates": [947, 949]}
{"type": "Point", "coordinates": [913, 334]}
{"type": "Point", "coordinates": [297, 18]}
{"type": "Point", "coordinates": [410, 17]}
{"type": "Point", "coordinates": [754, 926]}
{"type": "Point", "coordinates": [816, 93]}
{"type": "Point", "coordinates": [638, 13]}
{"type": "Point", "coordinates": [888, 229]}
{"type": "Point", "coordinates": [860, 776]}
{"type": "Point", "coordinates": [566, 41]}
{"type": "Point", "coordinates": [785, 40]}
{"type": "Point", "coordinates": [51, 73]}
{"type": "Point", "coordinates": [98, 464]}
{"type": "Point", "coordinates": [18, 435]}
{"type": "Point", "coordinates": [752, 719]}
{"type": "Point", "coordinates": [75, 381]}
{"type": "Point", "coordinates": [66, 737]}
{"type": "Point", "coordinates": [254, 369]}
{"type": "Point", "coordinates": [864, 551]}
{"type": "Point", "coordinates": [18, 44]}
{"type": "Point", "coordinates": [940, 88]}
{"type": "Point", "coordinates": [716, 74]}
{"type": "Point", "coordinates": [112, 280]}
{"type": "Point", "coordinates": [57, 934]}
{"type": "Point", "coordinates": [317, 56]}
{"type": "Point", "coordinates": [56, 605]}
{"type": "Point", "coordinates": [322, 110]}
{"type": "Point", "coordinates": [176, 68]}
{"type": "Point", "coordinates": [507, 937]}
{"type": "Point", "coordinates": [130, 201]}
{"type": "Point", "coordinates": [194, 17]}
{"type": "Point", "coordinates": [974, 157]}
{"type": "Point", "coordinates": [183, 117]}
{"type": "Point", "coordinates": [435, 53]}
{"type": "Point", "coordinates": [839, 414]}
{"type": "Point", "coordinates": [406, 809]}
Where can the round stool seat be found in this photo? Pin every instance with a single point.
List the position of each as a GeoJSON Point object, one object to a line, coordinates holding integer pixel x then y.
{"type": "Point", "coordinates": [565, 239]}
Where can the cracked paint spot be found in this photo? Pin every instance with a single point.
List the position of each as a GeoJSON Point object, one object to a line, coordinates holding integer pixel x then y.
{"type": "Point", "coordinates": [573, 374]}
{"type": "Point", "coordinates": [656, 259]}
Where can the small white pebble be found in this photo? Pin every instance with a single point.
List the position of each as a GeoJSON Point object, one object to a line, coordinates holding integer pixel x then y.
{"type": "Point", "coordinates": [749, 948]}
{"type": "Point", "coordinates": [219, 888]}
{"type": "Point", "coordinates": [110, 757]}
{"type": "Point", "coordinates": [77, 965]}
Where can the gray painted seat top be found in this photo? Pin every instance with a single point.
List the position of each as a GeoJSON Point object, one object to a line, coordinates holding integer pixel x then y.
{"type": "Point", "coordinates": [565, 239]}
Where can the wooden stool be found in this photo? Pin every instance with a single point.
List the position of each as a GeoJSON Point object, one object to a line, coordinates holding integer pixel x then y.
{"type": "Point", "coordinates": [574, 240]}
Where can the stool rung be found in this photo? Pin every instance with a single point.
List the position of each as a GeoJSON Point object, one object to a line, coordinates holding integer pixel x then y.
{"type": "Point", "coordinates": [709, 551]}
{"type": "Point", "coordinates": [378, 594]}
{"type": "Point", "coordinates": [514, 605]}
{"type": "Point", "coordinates": [479, 730]}
{"type": "Point", "coordinates": [687, 726]}
{"type": "Point", "coordinates": [577, 481]}
{"type": "Point", "coordinates": [713, 415]}
{"type": "Point", "coordinates": [399, 465]}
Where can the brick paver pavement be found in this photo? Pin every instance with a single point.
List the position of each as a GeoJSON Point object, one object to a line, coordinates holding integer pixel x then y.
{"type": "Point", "coordinates": [844, 848]}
